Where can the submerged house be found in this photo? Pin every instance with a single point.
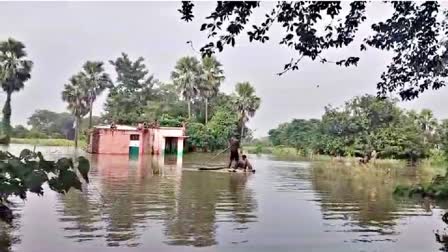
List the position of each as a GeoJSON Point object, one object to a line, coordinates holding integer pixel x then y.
{"type": "Point", "coordinates": [123, 139]}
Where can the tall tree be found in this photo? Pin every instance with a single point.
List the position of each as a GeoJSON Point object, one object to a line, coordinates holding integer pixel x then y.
{"type": "Point", "coordinates": [187, 77]}
{"type": "Point", "coordinates": [213, 76]}
{"type": "Point", "coordinates": [96, 81]}
{"type": "Point", "coordinates": [166, 102]}
{"type": "Point", "coordinates": [76, 94]}
{"type": "Point", "coordinates": [52, 123]}
{"type": "Point", "coordinates": [427, 123]}
{"type": "Point", "coordinates": [246, 102]}
{"type": "Point", "coordinates": [127, 101]}
{"type": "Point", "coordinates": [15, 70]}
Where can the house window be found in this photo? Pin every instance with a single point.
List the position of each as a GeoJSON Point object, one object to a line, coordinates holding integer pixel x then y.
{"type": "Point", "coordinates": [135, 137]}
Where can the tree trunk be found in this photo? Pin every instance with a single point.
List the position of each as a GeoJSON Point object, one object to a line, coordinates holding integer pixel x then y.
{"type": "Point", "coordinates": [77, 121]}
{"type": "Point", "coordinates": [189, 109]}
{"type": "Point", "coordinates": [242, 132]}
{"type": "Point", "coordinates": [206, 111]}
{"type": "Point", "coordinates": [7, 119]}
{"type": "Point", "coordinates": [90, 113]}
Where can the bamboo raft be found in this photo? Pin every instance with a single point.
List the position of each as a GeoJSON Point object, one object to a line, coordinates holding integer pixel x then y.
{"type": "Point", "coordinates": [224, 169]}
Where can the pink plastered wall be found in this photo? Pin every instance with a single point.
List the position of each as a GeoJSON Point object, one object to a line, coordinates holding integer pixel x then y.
{"type": "Point", "coordinates": [114, 141]}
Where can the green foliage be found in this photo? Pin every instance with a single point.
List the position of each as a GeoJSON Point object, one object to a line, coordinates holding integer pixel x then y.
{"type": "Point", "coordinates": [96, 82]}
{"type": "Point", "coordinates": [442, 133]}
{"type": "Point", "coordinates": [246, 103]}
{"type": "Point", "coordinates": [212, 77]}
{"type": "Point", "coordinates": [437, 158]}
{"type": "Point", "coordinates": [216, 134]}
{"type": "Point", "coordinates": [50, 123]}
{"type": "Point", "coordinates": [15, 70]}
{"type": "Point", "coordinates": [36, 134]}
{"type": "Point", "coordinates": [413, 32]}
{"type": "Point", "coordinates": [127, 101]}
{"type": "Point", "coordinates": [363, 126]}
{"type": "Point", "coordinates": [437, 188]}
{"type": "Point", "coordinates": [76, 95]}
{"type": "Point", "coordinates": [222, 126]}
{"type": "Point", "coordinates": [167, 120]}
{"type": "Point", "coordinates": [198, 136]}
{"type": "Point", "coordinates": [29, 171]}
{"type": "Point", "coordinates": [47, 142]}
{"type": "Point", "coordinates": [187, 77]}
{"type": "Point", "coordinates": [165, 102]}
{"type": "Point", "coordinates": [20, 131]}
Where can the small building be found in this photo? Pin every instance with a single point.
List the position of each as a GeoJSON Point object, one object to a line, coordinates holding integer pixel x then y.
{"type": "Point", "coordinates": [123, 139]}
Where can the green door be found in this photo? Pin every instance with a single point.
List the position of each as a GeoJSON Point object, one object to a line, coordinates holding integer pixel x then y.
{"type": "Point", "coordinates": [133, 151]}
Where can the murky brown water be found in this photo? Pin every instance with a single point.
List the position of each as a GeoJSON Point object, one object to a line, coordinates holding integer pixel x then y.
{"type": "Point", "coordinates": [286, 206]}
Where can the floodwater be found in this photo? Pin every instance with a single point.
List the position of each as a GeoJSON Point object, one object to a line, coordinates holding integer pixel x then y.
{"type": "Point", "coordinates": [161, 205]}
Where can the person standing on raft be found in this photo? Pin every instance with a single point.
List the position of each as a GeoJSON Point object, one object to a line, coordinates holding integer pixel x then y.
{"type": "Point", "coordinates": [234, 146]}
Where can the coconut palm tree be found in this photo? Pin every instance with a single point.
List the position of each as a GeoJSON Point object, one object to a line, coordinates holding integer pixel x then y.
{"type": "Point", "coordinates": [212, 77]}
{"type": "Point", "coordinates": [76, 94]}
{"type": "Point", "coordinates": [187, 78]}
{"type": "Point", "coordinates": [428, 123]}
{"type": "Point", "coordinates": [96, 82]}
{"type": "Point", "coordinates": [246, 103]}
{"type": "Point", "coordinates": [15, 70]}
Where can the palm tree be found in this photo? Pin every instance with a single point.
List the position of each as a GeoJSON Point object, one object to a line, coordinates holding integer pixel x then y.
{"type": "Point", "coordinates": [187, 78]}
{"type": "Point", "coordinates": [96, 82]}
{"type": "Point", "coordinates": [246, 103]}
{"type": "Point", "coordinates": [212, 77]}
{"type": "Point", "coordinates": [427, 122]}
{"type": "Point", "coordinates": [76, 94]}
{"type": "Point", "coordinates": [15, 70]}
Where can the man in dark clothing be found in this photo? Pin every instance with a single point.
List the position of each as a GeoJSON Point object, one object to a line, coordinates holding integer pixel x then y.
{"type": "Point", "coordinates": [234, 146]}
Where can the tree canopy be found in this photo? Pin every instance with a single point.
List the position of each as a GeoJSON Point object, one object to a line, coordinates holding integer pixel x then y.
{"type": "Point", "coordinates": [364, 125]}
{"type": "Point", "coordinates": [15, 70]}
{"type": "Point", "coordinates": [134, 88]}
{"type": "Point", "coordinates": [415, 32]}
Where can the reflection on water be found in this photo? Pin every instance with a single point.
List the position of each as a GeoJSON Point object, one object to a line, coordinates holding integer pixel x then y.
{"type": "Point", "coordinates": [205, 200]}
{"type": "Point", "coordinates": [153, 203]}
{"type": "Point", "coordinates": [124, 197]}
{"type": "Point", "coordinates": [9, 234]}
{"type": "Point", "coordinates": [360, 200]}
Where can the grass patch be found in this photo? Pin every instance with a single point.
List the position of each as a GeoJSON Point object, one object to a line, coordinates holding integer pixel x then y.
{"type": "Point", "coordinates": [47, 142]}
{"type": "Point", "coordinates": [258, 149]}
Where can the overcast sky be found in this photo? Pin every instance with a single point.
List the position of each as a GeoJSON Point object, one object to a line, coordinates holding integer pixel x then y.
{"type": "Point", "coordinates": [60, 37]}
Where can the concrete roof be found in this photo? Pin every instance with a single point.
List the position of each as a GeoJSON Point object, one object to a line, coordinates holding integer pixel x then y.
{"type": "Point", "coordinates": [119, 127]}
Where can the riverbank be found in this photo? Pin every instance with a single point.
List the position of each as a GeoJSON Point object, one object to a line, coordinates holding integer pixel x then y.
{"type": "Point", "coordinates": [435, 160]}
{"type": "Point", "coordinates": [47, 142]}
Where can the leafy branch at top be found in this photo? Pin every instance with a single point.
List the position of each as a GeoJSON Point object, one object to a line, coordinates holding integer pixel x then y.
{"type": "Point", "coordinates": [415, 33]}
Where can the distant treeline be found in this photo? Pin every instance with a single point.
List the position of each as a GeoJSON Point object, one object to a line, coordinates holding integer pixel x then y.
{"type": "Point", "coordinates": [49, 124]}
{"type": "Point", "coordinates": [366, 126]}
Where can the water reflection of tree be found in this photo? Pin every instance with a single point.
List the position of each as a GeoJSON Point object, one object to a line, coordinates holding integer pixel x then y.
{"type": "Point", "coordinates": [7, 237]}
{"type": "Point", "coordinates": [124, 195]}
{"type": "Point", "coordinates": [362, 197]}
{"type": "Point", "coordinates": [127, 195]}
{"type": "Point", "coordinates": [203, 196]}
{"type": "Point", "coordinates": [9, 233]}
{"type": "Point", "coordinates": [83, 212]}
{"type": "Point", "coordinates": [242, 198]}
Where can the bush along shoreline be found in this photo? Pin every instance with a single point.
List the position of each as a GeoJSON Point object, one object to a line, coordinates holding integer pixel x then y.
{"type": "Point", "coordinates": [47, 142]}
